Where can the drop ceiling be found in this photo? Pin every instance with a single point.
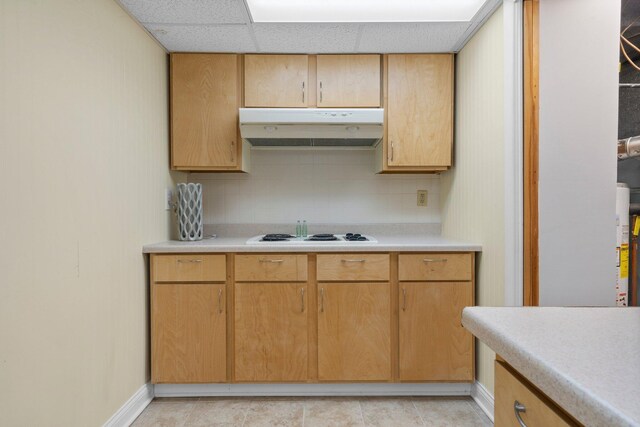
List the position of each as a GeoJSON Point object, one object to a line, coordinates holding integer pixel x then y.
{"type": "Point", "coordinates": [226, 26]}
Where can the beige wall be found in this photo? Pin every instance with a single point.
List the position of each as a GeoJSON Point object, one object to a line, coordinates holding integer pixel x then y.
{"type": "Point", "coordinates": [83, 165]}
{"type": "Point", "coordinates": [473, 190]}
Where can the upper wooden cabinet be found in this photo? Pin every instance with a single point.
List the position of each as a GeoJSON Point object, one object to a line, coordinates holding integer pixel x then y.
{"type": "Point", "coordinates": [418, 93]}
{"type": "Point", "coordinates": [276, 80]}
{"type": "Point", "coordinates": [205, 97]}
{"type": "Point", "coordinates": [348, 80]}
{"type": "Point", "coordinates": [312, 81]}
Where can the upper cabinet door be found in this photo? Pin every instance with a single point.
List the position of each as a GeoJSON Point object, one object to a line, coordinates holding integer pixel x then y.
{"type": "Point", "coordinates": [205, 97]}
{"type": "Point", "coordinates": [276, 80]}
{"type": "Point", "coordinates": [348, 80]}
{"type": "Point", "coordinates": [419, 110]}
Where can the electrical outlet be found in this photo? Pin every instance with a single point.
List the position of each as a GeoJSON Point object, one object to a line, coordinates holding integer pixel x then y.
{"type": "Point", "coordinates": [168, 199]}
{"type": "Point", "coordinates": [422, 197]}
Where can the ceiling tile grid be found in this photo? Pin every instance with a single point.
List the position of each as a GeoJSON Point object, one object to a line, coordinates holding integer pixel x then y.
{"type": "Point", "coordinates": [225, 26]}
{"type": "Point", "coordinates": [306, 38]}
{"type": "Point", "coordinates": [204, 38]}
{"type": "Point", "coordinates": [188, 11]}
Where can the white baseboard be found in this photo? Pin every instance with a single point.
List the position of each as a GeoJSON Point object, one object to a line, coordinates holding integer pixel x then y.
{"type": "Point", "coordinates": [483, 398]}
{"type": "Point", "coordinates": [357, 389]}
{"type": "Point", "coordinates": [125, 416]}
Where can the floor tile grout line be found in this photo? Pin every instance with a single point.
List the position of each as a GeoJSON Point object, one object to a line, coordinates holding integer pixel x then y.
{"type": "Point", "coordinates": [412, 400]}
{"type": "Point", "coordinates": [364, 423]}
{"type": "Point", "coordinates": [246, 411]}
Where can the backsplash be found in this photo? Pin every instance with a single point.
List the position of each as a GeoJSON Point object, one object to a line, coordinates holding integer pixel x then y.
{"type": "Point", "coordinates": [327, 186]}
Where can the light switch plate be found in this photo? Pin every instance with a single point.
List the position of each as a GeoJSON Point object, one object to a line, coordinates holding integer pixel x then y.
{"type": "Point", "coordinates": [422, 198]}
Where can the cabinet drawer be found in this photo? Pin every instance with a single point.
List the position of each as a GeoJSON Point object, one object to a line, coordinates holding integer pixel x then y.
{"type": "Point", "coordinates": [271, 268]}
{"type": "Point", "coordinates": [353, 267]}
{"type": "Point", "coordinates": [435, 266]}
{"type": "Point", "coordinates": [189, 268]}
{"type": "Point", "coordinates": [539, 410]}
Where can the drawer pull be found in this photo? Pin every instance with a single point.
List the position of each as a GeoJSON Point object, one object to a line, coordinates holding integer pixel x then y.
{"type": "Point", "coordinates": [435, 260]}
{"type": "Point", "coordinates": [404, 299]}
{"type": "Point", "coordinates": [302, 299]}
{"type": "Point", "coordinates": [272, 260]}
{"type": "Point", "coordinates": [321, 300]}
{"type": "Point", "coordinates": [220, 301]}
{"type": "Point", "coordinates": [188, 260]}
{"type": "Point", "coordinates": [353, 260]}
{"type": "Point", "coordinates": [519, 408]}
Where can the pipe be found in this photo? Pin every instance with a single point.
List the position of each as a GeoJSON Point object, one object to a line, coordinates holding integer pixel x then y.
{"type": "Point", "coordinates": [629, 147]}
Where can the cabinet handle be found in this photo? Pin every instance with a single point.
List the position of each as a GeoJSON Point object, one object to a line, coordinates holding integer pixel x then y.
{"type": "Point", "coordinates": [320, 92]}
{"type": "Point", "coordinates": [302, 300]}
{"type": "Point", "coordinates": [321, 300]}
{"type": "Point", "coordinates": [233, 151]}
{"type": "Point", "coordinates": [185, 261]}
{"type": "Point", "coordinates": [272, 260]}
{"type": "Point", "coordinates": [519, 408]}
{"type": "Point", "coordinates": [404, 299]}
{"type": "Point", "coordinates": [435, 260]}
{"type": "Point", "coordinates": [220, 301]}
{"type": "Point", "coordinates": [353, 260]}
{"type": "Point", "coordinates": [391, 160]}
{"type": "Point", "coordinates": [303, 92]}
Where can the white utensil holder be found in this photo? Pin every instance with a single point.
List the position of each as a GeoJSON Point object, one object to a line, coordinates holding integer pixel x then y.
{"type": "Point", "coordinates": [190, 225]}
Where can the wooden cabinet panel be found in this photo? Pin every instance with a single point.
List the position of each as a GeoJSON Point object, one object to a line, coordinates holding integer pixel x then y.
{"type": "Point", "coordinates": [271, 268]}
{"type": "Point", "coordinates": [354, 324]}
{"type": "Point", "coordinates": [343, 267]}
{"type": "Point", "coordinates": [419, 109]}
{"type": "Point", "coordinates": [188, 333]}
{"type": "Point", "coordinates": [205, 97]}
{"type": "Point", "coordinates": [540, 410]}
{"type": "Point", "coordinates": [435, 266]}
{"type": "Point", "coordinates": [189, 268]}
{"type": "Point", "coordinates": [433, 344]}
{"type": "Point", "coordinates": [276, 80]}
{"type": "Point", "coordinates": [270, 332]}
{"type": "Point", "coordinates": [348, 80]}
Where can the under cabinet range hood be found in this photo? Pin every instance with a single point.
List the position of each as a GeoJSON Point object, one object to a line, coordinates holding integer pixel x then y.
{"type": "Point", "coordinates": [311, 127]}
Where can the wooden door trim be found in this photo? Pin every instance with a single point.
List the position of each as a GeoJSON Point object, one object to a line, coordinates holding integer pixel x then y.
{"type": "Point", "coordinates": [531, 146]}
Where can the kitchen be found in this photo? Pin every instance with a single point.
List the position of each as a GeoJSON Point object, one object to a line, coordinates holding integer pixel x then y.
{"type": "Point", "coordinates": [91, 95]}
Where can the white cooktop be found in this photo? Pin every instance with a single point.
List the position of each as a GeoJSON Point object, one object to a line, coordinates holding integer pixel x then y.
{"type": "Point", "coordinates": [256, 240]}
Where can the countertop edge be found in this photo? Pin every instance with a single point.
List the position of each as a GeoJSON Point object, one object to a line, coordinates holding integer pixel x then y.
{"type": "Point", "coordinates": [596, 412]}
{"type": "Point", "coordinates": [174, 247]}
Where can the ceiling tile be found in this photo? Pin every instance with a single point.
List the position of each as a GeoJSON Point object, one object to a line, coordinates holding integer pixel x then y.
{"type": "Point", "coordinates": [203, 38]}
{"type": "Point", "coordinates": [306, 38]}
{"type": "Point", "coordinates": [411, 37]}
{"type": "Point", "coordinates": [188, 11]}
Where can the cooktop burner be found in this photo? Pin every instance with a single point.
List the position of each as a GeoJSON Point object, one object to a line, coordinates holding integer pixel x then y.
{"type": "Point", "coordinates": [357, 237]}
{"type": "Point", "coordinates": [276, 237]}
{"type": "Point", "coordinates": [322, 237]}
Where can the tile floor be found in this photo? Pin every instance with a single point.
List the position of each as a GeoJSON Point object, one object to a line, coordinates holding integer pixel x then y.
{"type": "Point", "coordinates": [306, 411]}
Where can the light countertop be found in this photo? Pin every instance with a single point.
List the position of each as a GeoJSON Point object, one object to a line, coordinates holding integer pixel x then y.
{"type": "Point", "coordinates": [587, 360]}
{"type": "Point", "coordinates": [387, 243]}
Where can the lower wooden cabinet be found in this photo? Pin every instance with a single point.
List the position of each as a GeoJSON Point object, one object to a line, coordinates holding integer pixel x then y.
{"type": "Point", "coordinates": [433, 344]}
{"type": "Point", "coordinates": [255, 318]}
{"type": "Point", "coordinates": [270, 332]}
{"type": "Point", "coordinates": [516, 398]}
{"type": "Point", "coordinates": [189, 340]}
{"type": "Point", "coordinates": [354, 328]}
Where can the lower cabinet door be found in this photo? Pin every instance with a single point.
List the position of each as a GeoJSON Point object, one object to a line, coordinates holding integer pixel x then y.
{"type": "Point", "coordinates": [188, 333]}
{"type": "Point", "coordinates": [354, 325]}
{"type": "Point", "coordinates": [270, 332]}
{"type": "Point", "coordinates": [433, 344]}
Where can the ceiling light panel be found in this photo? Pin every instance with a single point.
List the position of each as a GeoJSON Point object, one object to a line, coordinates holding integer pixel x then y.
{"type": "Point", "coordinates": [363, 10]}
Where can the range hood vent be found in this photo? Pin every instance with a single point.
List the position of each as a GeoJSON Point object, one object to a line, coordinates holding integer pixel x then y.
{"type": "Point", "coordinates": [311, 127]}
